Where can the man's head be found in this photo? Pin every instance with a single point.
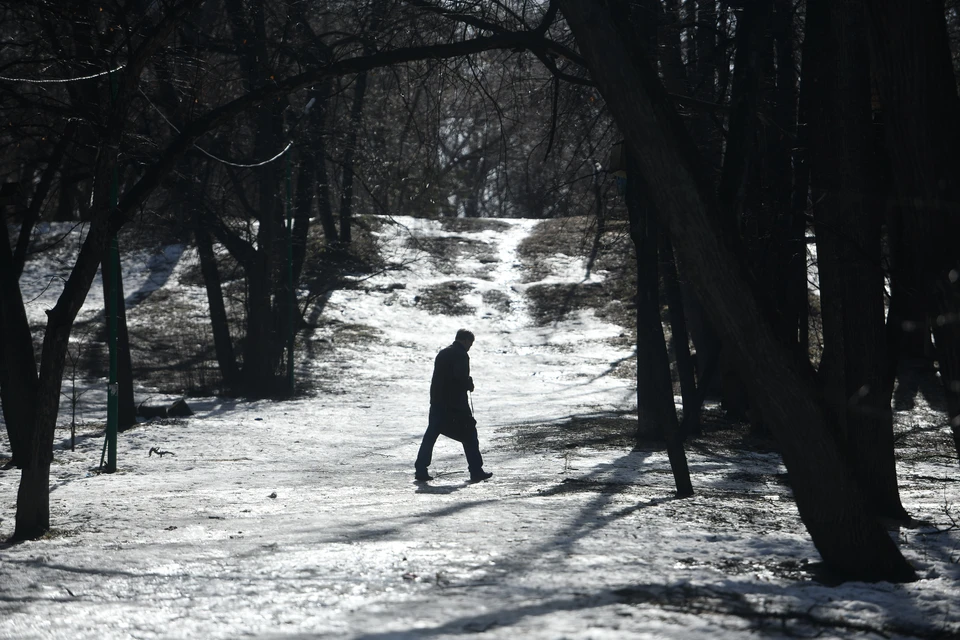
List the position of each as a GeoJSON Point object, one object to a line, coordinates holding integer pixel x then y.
{"type": "Point", "coordinates": [465, 337]}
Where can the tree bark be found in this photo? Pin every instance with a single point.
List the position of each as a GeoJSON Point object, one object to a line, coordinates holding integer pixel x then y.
{"type": "Point", "coordinates": [656, 409]}
{"type": "Point", "coordinates": [680, 341]}
{"type": "Point", "coordinates": [346, 197]}
{"type": "Point", "coordinates": [789, 254]}
{"type": "Point", "coordinates": [18, 367]}
{"type": "Point", "coordinates": [752, 23]}
{"type": "Point", "coordinates": [263, 345]}
{"type": "Point", "coordinates": [910, 52]}
{"type": "Point", "coordinates": [33, 502]}
{"type": "Point", "coordinates": [222, 343]}
{"type": "Point", "coordinates": [848, 249]}
{"type": "Point", "coordinates": [324, 208]}
{"type": "Point", "coordinates": [828, 499]}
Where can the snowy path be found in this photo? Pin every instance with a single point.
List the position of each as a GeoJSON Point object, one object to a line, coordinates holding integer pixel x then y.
{"type": "Point", "coordinates": [301, 519]}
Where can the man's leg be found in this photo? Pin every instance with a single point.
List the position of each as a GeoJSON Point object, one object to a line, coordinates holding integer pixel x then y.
{"type": "Point", "coordinates": [425, 455]}
{"type": "Point", "coordinates": [471, 448]}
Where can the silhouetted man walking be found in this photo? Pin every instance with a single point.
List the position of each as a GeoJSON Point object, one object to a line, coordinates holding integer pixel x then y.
{"type": "Point", "coordinates": [450, 413]}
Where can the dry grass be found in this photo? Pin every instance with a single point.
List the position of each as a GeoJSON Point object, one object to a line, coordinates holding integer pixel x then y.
{"type": "Point", "coordinates": [613, 299]}
{"type": "Point", "coordinates": [446, 298]}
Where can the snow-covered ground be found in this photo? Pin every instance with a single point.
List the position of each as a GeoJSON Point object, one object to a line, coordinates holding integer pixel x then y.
{"type": "Point", "coordinates": [301, 519]}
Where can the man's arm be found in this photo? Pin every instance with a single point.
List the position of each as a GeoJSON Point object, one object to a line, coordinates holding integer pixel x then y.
{"type": "Point", "coordinates": [461, 372]}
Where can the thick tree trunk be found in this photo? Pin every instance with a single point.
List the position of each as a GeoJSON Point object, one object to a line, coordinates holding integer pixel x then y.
{"type": "Point", "coordinates": [33, 503]}
{"type": "Point", "coordinates": [262, 346]}
{"type": "Point", "coordinates": [911, 59]}
{"type": "Point", "coordinates": [259, 368]}
{"type": "Point", "coordinates": [828, 499]}
{"type": "Point", "coordinates": [848, 245]}
{"type": "Point", "coordinates": [18, 368]}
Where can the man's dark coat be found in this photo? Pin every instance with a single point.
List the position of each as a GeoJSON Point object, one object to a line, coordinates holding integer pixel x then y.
{"type": "Point", "coordinates": [448, 391]}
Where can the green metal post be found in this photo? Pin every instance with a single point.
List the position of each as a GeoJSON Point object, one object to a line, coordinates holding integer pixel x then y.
{"type": "Point", "coordinates": [113, 395]}
{"type": "Point", "coordinates": [113, 264]}
{"type": "Point", "coordinates": [290, 285]}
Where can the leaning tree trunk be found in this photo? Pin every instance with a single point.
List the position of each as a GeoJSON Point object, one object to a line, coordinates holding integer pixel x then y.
{"type": "Point", "coordinates": [656, 409]}
{"type": "Point", "coordinates": [651, 243]}
{"type": "Point", "coordinates": [848, 246]}
{"type": "Point", "coordinates": [222, 343]}
{"type": "Point", "coordinates": [828, 499]}
{"type": "Point", "coordinates": [680, 341]}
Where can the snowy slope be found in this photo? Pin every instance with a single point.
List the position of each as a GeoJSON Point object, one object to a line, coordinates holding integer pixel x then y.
{"type": "Point", "coordinates": [301, 519]}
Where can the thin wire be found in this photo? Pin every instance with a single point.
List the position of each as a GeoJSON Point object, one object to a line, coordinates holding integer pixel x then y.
{"type": "Point", "coordinates": [210, 155]}
{"type": "Point", "coordinates": [244, 166]}
{"type": "Point", "coordinates": [60, 80]}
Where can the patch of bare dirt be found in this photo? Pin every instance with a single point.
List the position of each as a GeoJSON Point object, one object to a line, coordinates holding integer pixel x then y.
{"type": "Point", "coordinates": [446, 298]}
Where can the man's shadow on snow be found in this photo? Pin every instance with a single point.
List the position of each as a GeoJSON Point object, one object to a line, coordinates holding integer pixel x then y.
{"type": "Point", "coordinates": [438, 489]}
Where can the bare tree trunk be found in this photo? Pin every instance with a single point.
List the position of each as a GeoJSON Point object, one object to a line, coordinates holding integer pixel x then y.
{"type": "Point", "coordinates": [656, 410]}
{"type": "Point", "coordinates": [375, 17]}
{"type": "Point", "coordinates": [830, 504]}
{"type": "Point", "coordinates": [222, 343]}
{"type": "Point", "coordinates": [33, 515]}
{"type": "Point", "coordinates": [324, 208]}
{"type": "Point", "coordinates": [737, 178]}
{"type": "Point", "coordinates": [680, 341]}
{"type": "Point", "coordinates": [346, 198]}
{"type": "Point", "coordinates": [259, 373]}
{"type": "Point", "coordinates": [315, 160]}
{"type": "Point", "coordinates": [848, 245]}
{"type": "Point", "coordinates": [740, 150]}
{"type": "Point", "coordinates": [702, 84]}
{"type": "Point", "coordinates": [263, 344]}
{"type": "Point", "coordinates": [18, 368]}
{"type": "Point", "coordinates": [33, 502]}
{"type": "Point", "coordinates": [911, 58]}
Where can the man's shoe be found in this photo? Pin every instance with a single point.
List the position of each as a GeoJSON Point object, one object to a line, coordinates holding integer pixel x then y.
{"type": "Point", "coordinates": [481, 476]}
{"type": "Point", "coordinates": [423, 476]}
